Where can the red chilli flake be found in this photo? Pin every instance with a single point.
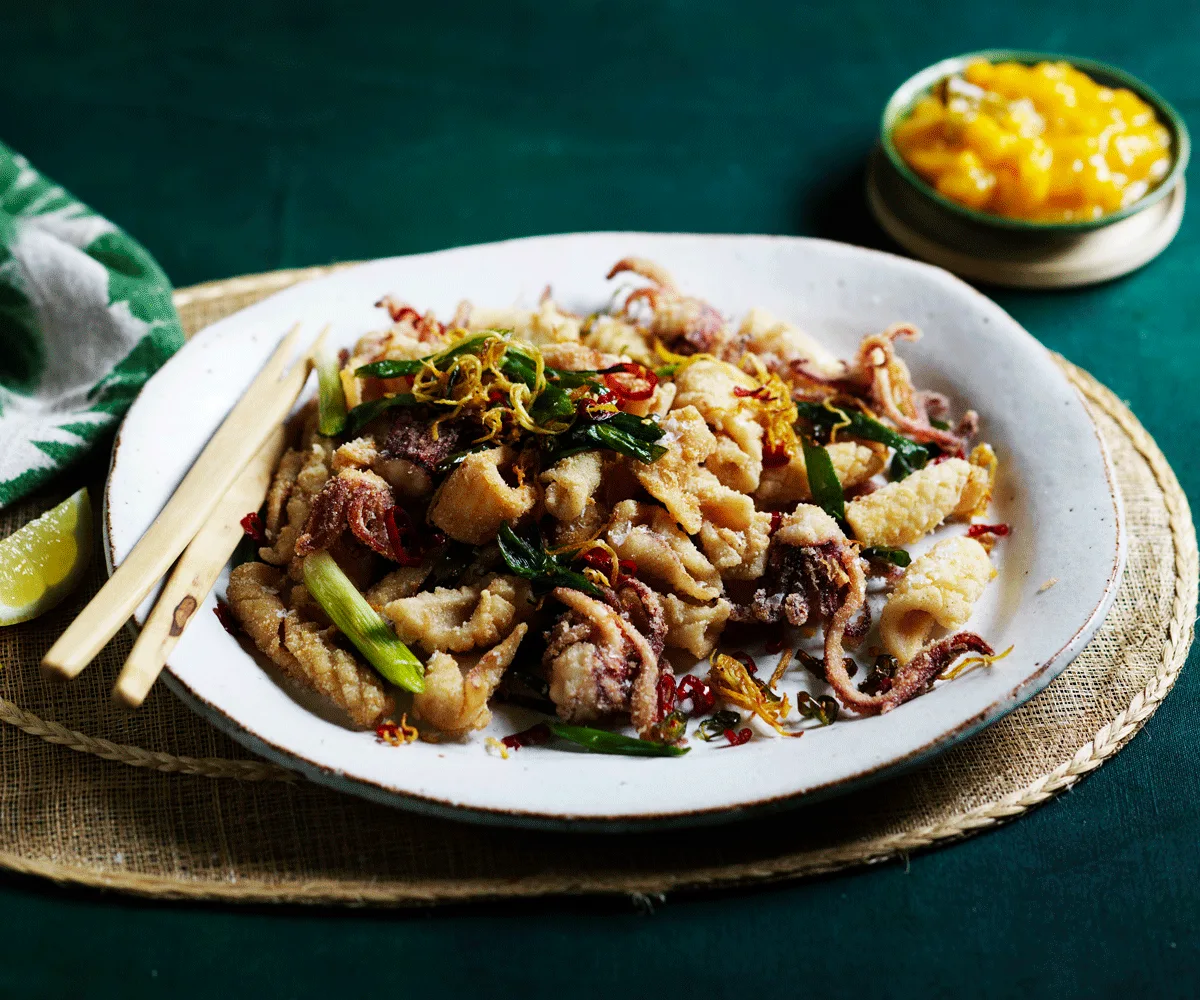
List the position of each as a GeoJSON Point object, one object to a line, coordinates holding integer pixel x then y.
{"type": "Point", "coordinates": [701, 695]}
{"type": "Point", "coordinates": [774, 457]}
{"type": "Point", "coordinates": [225, 617]}
{"type": "Point", "coordinates": [776, 520]}
{"type": "Point", "coordinates": [253, 527]}
{"type": "Point", "coordinates": [666, 695]}
{"type": "Point", "coordinates": [531, 737]}
{"type": "Point", "coordinates": [759, 393]}
{"type": "Point", "coordinates": [624, 391]}
{"type": "Point", "coordinates": [402, 312]}
{"type": "Point", "coordinates": [396, 533]}
{"type": "Point", "coordinates": [737, 739]}
{"type": "Point", "coordinates": [627, 567]}
{"type": "Point", "coordinates": [999, 530]}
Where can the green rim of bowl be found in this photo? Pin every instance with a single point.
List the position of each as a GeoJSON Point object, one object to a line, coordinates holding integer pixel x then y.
{"type": "Point", "coordinates": [906, 95]}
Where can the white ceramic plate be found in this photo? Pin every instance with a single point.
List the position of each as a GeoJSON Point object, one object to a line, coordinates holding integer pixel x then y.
{"type": "Point", "coordinates": [1056, 490]}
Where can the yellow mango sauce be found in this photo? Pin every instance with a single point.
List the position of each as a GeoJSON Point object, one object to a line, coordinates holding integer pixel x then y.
{"type": "Point", "coordinates": [1044, 143]}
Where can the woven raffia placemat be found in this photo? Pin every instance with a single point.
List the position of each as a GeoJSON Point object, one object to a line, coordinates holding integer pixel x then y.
{"type": "Point", "coordinates": [159, 803]}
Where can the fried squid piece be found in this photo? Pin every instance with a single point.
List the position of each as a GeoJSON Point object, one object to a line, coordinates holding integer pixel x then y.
{"type": "Point", "coordinates": [353, 499]}
{"type": "Point", "coordinates": [303, 649]}
{"type": "Point", "coordinates": [542, 326]}
{"type": "Point", "coordinates": [649, 536]}
{"type": "Point", "coordinates": [853, 464]}
{"type": "Point", "coordinates": [912, 679]}
{"type": "Point", "coordinates": [455, 699]}
{"type": "Point", "coordinates": [573, 357]}
{"type": "Point", "coordinates": [939, 589]}
{"type": "Point", "coordinates": [805, 572]}
{"type": "Point", "coordinates": [694, 627]}
{"type": "Point", "coordinates": [711, 387]}
{"type": "Point", "coordinates": [738, 555]}
{"type": "Point", "coordinates": [684, 324]}
{"type": "Point", "coordinates": [691, 493]}
{"type": "Point", "coordinates": [476, 499]}
{"type": "Point", "coordinates": [613, 335]}
{"type": "Point", "coordinates": [571, 483]}
{"type": "Point", "coordinates": [254, 598]}
{"type": "Point", "coordinates": [903, 511]}
{"type": "Point", "coordinates": [470, 617]}
{"type": "Point", "coordinates": [785, 348]}
{"type": "Point", "coordinates": [599, 662]}
{"type": "Point", "coordinates": [281, 488]}
{"type": "Point", "coordinates": [310, 478]}
{"type": "Point", "coordinates": [887, 379]}
{"type": "Point", "coordinates": [402, 582]}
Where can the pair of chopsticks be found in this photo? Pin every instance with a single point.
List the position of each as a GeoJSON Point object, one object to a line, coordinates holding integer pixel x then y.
{"type": "Point", "coordinates": [201, 521]}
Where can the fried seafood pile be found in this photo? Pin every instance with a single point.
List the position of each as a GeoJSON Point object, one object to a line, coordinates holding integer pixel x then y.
{"type": "Point", "coordinates": [566, 509]}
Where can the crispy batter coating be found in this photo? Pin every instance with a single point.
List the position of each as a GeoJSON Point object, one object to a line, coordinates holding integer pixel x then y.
{"type": "Point", "coordinates": [571, 482]}
{"type": "Point", "coordinates": [690, 492]}
{"type": "Point", "coordinates": [471, 617]}
{"type": "Point", "coordinates": [695, 627]}
{"type": "Point", "coordinates": [281, 488]}
{"type": "Point", "coordinates": [738, 555]}
{"type": "Point", "coordinates": [457, 692]}
{"type": "Point", "coordinates": [901, 512]}
{"type": "Point", "coordinates": [313, 473]}
{"type": "Point", "coordinates": [939, 588]}
{"type": "Point", "coordinates": [475, 499]}
{"type": "Point", "coordinates": [648, 536]}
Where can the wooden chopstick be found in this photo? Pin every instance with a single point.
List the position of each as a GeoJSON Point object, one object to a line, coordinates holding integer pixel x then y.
{"type": "Point", "coordinates": [195, 574]}
{"type": "Point", "coordinates": [266, 402]}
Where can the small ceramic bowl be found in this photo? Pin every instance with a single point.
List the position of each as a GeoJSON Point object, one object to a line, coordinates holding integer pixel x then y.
{"type": "Point", "coordinates": [1021, 252]}
{"type": "Point", "coordinates": [916, 87]}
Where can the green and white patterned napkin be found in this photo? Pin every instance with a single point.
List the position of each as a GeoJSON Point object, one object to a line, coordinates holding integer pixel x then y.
{"type": "Point", "coordinates": [85, 318]}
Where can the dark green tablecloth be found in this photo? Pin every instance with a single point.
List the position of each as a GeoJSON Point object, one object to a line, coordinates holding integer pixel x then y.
{"type": "Point", "coordinates": [234, 137]}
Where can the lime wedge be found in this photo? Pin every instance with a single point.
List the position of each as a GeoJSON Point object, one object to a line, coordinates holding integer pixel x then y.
{"type": "Point", "coordinates": [43, 561]}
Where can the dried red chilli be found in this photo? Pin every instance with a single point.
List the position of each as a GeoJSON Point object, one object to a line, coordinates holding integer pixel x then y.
{"type": "Point", "coordinates": [999, 530]}
{"type": "Point", "coordinates": [531, 737]}
{"type": "Point", "coordinates": [775, 456]}
{"type": "Point", "coordinates": [627, 567]}
{"type": "Point", "coordinates": [396, 533]}
{"type": "Point", "coordinates": [597, 558]}
{"type": "Point", "coordinates": [691, 687]}
{"type": "Point", "coordinates": [759, 393]}
{"type": "Point", "coordinates": [495, 396]}
{"type": "Point", "coordinates": [253, 527]}
{"type": "Point", "coordinates": [776, 520]}
{"type": "Point", "coordinates": [666, 695]}
{"type": "Point", "coordinates": [738, 738]}
{"type": "Point", "coordinates": [623, 391]}
{"type": "Point", "coordinates": [225, 617]}
{"type": "Point", "coordinates": [399, 312]}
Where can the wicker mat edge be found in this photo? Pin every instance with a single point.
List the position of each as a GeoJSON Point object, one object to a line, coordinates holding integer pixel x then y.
{"type": "Point", "coordinates": [1107, 741]}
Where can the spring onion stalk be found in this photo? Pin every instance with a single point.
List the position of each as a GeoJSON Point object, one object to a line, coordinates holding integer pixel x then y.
{"type": "Point", "coordinates": [603, 741]}
{"type": "Point", "coordinates": [331, 400]}
{"type": "Point", "coordinates": [361, 623]}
